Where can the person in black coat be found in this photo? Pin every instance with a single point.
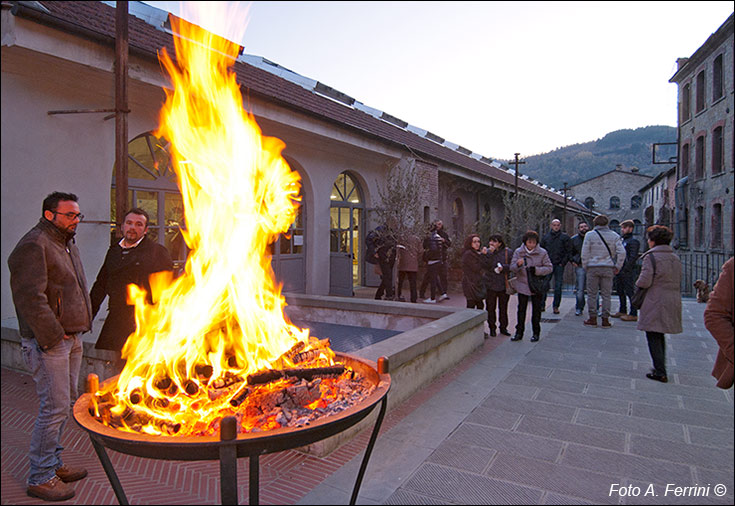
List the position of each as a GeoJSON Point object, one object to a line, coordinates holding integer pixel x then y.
{"type": "Point", "coordinates": [579, 272]}
{"type": "Point", "coordinates": [499, 258]}
{"type": "Point", "coordinates": [474, 262]}
{"type": "Point", "coordinates": [132, 260]}
{"type": "Point", "coordinates": [559, 247]}
{"type": "Point", "coordinates": [625, 279]}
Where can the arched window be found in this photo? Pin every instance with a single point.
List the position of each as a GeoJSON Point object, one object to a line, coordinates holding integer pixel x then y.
{"type": "Point", "coordinates": [589, 203]}
{"type": "Point", "coordinates": [635, 201]}
{"type": "Point", "coordinates": [346, 217]}
{"type": "Point", "coordinates": [152, 187]}
{"type": "Point", "coordinates": [615, 226]}
{"type": "Point", "coordinates": [614, 202]}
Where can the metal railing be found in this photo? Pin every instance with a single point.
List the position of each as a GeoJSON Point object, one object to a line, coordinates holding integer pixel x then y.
{"type": "Point", "coordinates": [704, 266]}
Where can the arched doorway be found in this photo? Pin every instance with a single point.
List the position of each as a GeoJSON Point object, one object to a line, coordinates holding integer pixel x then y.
{"type": "Point", "coordinates": [152, 187]}
{"type": "Point", "coordinates": [345, 227]}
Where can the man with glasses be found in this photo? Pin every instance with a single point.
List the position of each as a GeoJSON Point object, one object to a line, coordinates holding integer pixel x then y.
{"type": "Point", "coordinates": [50, 295]}
{"type": "Point", "coordinates": [130, 261]}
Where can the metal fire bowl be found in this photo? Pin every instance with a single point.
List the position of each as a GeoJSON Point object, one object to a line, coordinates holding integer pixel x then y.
{"type": "Point", "coordinates": [251, 444]}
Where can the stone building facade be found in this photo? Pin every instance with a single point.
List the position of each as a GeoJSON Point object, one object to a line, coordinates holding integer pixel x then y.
{"type": "Point", "coordinates": [616, 195]}
{"type": "Point", "coordinates": [704, 192]}
{"type": "Point", "coordinates": [657, 199]}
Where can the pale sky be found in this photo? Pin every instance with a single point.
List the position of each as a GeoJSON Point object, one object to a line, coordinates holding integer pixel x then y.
{"type": "Point", "coordinates": [494, 77]}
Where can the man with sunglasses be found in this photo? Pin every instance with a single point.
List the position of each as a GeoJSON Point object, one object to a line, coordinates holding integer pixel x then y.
{"type": "Point", "coordinates": [51, 300]}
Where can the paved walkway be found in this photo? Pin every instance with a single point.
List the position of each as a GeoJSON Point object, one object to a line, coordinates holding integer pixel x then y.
{"type": "Point", "coordinates": [560, 421]}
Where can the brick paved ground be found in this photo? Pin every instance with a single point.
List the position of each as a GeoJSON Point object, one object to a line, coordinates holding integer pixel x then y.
{"type": "Point", "coordinates": [554, 422]}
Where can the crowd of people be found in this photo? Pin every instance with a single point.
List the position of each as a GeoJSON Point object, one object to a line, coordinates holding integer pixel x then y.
{"type": "Point", "coordinates": [54, 306]}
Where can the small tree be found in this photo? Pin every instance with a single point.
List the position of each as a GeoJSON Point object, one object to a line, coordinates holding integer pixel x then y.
{"type": "Point", "coordinates": [525, 211]}
{"type": "Point", "coordinates": [398, 208]}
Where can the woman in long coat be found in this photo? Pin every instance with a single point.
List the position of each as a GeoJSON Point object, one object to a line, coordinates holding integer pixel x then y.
{"type": "Point", "coordinates": [718, 318]}
{"type": "Point", "coordinates": [474, 262]}
{"type": "Point", "coordinates": [661, 310]}
{"type": "Point", "coordinates": [529, 254]}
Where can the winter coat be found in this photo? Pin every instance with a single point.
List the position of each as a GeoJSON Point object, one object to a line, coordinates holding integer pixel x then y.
{"type": "Point", "coordinates": [433, 248]}
{"type": "Point", "coordinates": [594, 252]}
{"type": "Point", "coordinates": [576, 241]}
{"type": "Point", "coordinates": [409, 252]}
{"type": "Point", "coordinates": [473, 265]}
{"type": "Point", "coordinates": [558, 246]}
{"type": "Point", "coordinates": [121, 268]}
{"type": "Point", "coordinates": [496, 282]}
{"type": "Point", "coordinates": [537, 258]}
{"type": "Point", "coordinates": [661, 310]}
{"type": "Point", "coordinates": [48, 285]}
{"type": "Point", "coordinates": [718, 318]}
{"type": "Point", "coordinates": [632, 247]}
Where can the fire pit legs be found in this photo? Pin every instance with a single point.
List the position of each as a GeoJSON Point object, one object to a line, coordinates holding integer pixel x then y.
{"type": "Point", "coordinates": [228, 461]}
{"type": "Point", "coordinates": [109, 470]}
{"type": "Point", "coordinates": [254, 484]}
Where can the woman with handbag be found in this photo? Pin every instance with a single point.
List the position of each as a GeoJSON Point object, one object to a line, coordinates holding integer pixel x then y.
{"type": "Point", "coordinates": [474, 262]}
{"type": "Point", "coordinates": [660, 312]}
{"type": "Point", "coordinates": [530, 264]}
{"type": "Point", "coordinates": [496, 284]}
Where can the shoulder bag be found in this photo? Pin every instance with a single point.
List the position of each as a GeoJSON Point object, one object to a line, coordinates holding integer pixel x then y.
{"type": "Point", "coordinates": [535, 283]}
{"type": "Point", "coordinates": [606, 247]}
{"type": "Point", "coordinates": [639, 294]}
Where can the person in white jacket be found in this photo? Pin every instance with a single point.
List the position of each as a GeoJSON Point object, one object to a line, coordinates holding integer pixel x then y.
{"type": "Point", "coordinates": [603, 255]}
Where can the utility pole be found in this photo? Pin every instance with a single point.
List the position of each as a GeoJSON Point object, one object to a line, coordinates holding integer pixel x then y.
{"type": "Point", "coordinates": [121, 110]}
{"type": "Point", "coordinates": [517, 162]}
{"type": "Point", "coordinates": [564, 216]}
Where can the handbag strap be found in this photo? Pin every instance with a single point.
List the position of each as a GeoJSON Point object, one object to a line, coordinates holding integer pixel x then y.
{"type": "Point", "coordinates": [606, 246]}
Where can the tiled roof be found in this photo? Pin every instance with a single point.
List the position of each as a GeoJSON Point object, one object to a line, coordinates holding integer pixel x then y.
{"type": "Point", "coordinates": [97, 20]}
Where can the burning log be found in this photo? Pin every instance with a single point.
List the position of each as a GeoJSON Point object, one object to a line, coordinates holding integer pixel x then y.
{"type": "Point", "coordinates": [308, 374]}
{"type": "Point", "coordinates": [240, 397]}
{"type": "Point", "coordinates": [228, 380]}
{"type": "Point", "coordinates": [136, 396]}
{"type": "Point", "coordinates": [313, 353]}
{"type": "Point", "coordinates": [191, 388]}
{"type": "Point", "coordinates": [204, 371]}
{"type": "Point", "coordinates": [163, 384]}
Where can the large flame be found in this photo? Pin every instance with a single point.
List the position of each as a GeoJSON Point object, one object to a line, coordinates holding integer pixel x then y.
{"type": "Point", "coordinates": [225, 313]}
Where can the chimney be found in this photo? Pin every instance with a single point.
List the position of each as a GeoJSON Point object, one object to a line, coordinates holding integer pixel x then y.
{"type": "Point", "coordinates": [680, 62]}
{"type": "Point", "coordinates": [634, 169]}
{"type": "Point", "coordinates": [619, 166]}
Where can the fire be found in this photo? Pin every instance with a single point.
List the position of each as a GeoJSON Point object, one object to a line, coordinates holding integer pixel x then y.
{"type": "Point", "coordinates": [223, 318]}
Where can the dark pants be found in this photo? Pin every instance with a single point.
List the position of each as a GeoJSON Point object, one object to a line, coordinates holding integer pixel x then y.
{"type": "Point", "coordinates": [502, 299]}
{"type": "Point", "coordinates": [386, 281]}
{"type": "Point", "coordinates": [657, 348]}
{"type": "Point", "coordinates": [537, 302]}
{"type": "Point", "coordinates": [558, 274]}
{"type": "Point", "coordinates": [475, 304]}
{"type": "Point", "coordinates": [431, 277]}
{"type": "Point", "coordinates": [625, 285]}
{"type": "Point", "coordinates": [411, 275]}
{"type": "Point", "coordinates": [443, 267]}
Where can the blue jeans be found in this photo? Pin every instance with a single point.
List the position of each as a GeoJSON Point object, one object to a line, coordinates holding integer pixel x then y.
{"type": "Point", "coordinates": [580, 276]}
{"type": "Point", "coordinates": [558, 274]}
{"type": "Point", "coordinates": [56, 374]}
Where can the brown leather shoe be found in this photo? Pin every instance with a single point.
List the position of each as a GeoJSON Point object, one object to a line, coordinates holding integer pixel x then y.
{"type": "Point", "coordinates": [69, 474]}
{"type": "Point", "coordinates": [617, 315]}
{"type": "Point", "coordinates": [52, 490]}
{"type": "Point", "coordinates": [556, 310]}
{"type": "Point", "coordinates": [629, 318]}
{"type": "Point", "coordinates": [591, 321]}
{"type": "Point", "coordinates": [606, 323]}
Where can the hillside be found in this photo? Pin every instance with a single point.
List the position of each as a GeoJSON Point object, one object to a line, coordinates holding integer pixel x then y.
{"type": "Point", "coordinates": [579, 162]}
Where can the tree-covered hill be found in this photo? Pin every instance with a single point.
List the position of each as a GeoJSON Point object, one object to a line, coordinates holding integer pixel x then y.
{"type": "Point", "coordinates": [579, 162]}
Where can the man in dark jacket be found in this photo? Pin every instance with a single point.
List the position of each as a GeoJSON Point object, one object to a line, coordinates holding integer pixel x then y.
{"type": "Point", "coordinates": [559, 247]}
{"type": "Point", "coordinates": [50, 295]}
{"type": "Point", "coordinates": [385, 249]}
{"type": "Point", "coordinates": [444, 266]}
{"type": "Point", "coordinates": [132, 260]}
{"type": "Point", "coordinates": [579, 273]}
{"type": "Point", "coordinates": [625, 279]}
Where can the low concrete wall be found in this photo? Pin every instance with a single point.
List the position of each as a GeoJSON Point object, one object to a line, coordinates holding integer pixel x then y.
{"type": "Point", "coordinates": [415, 357]}
{"type": "Point", "coordinates": [433, 340]}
